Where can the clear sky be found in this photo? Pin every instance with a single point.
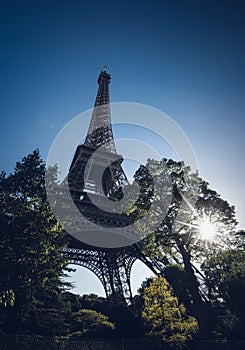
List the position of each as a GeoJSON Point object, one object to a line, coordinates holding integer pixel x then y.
{"type": "Point", "coordinates": [186, 58]}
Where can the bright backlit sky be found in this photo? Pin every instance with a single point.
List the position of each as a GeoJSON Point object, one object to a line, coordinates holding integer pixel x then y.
{"type": "Point", "coordinates": [186, 58]}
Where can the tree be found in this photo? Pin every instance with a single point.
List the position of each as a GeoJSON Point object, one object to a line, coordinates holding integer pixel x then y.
{"type": "Point", "coordinates": [225, 277]}
{"type": "Point", "coordinates": [165, 317]}
{"type": "Point", "coordinates": [176, 239]}
{"type": "Point", "coordinates": [32, 267]}
{"type": "Point", "coordinates": [90, 323]}
{"type": "Point", "coordinates": [127, 318]}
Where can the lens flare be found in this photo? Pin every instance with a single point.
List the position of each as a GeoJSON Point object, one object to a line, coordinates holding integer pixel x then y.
{"type": "Point", "coordinates": [207, 229]}
{"type": "Point", "coordinates": [202, 224]}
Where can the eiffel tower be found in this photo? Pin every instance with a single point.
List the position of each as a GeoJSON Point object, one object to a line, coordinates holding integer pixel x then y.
{"type": "Point", "coordinates": [111, 265]}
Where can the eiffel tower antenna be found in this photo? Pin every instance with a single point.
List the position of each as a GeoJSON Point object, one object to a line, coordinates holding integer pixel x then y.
{"type": "Point", "coordinates": [100, 129]}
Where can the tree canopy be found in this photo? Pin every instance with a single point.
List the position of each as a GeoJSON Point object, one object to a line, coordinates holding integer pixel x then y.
{"type": "Point", "coordinates": [179, 239]}
{"type": "Point", "coordinates": [195, 247]}
{"type": "Point", "coordinates": [32, 268]}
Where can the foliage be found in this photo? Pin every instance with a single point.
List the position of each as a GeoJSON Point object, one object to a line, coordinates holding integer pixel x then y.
{"type": "Point", "coordinates": [205, 277]}
{"type": "Point", "coordinates": [191, 200]}
{"type": "Point", "coordinates": [32, 267]}
{"type": "Point", "coordinates": [90, 323]}
{"type": "Point", "coordinates": [165, 317]}
{"type": "Point", "coordinates": [177, 240]}
{"type": "Point", "coordinates": [225, 277]}
{"type": "Point", "coordinates": [127, 318]}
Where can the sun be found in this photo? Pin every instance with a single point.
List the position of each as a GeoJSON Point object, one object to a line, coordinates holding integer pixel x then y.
{"type": "Point", "coordinates": [207, 229]}
{"type": "Point", "coordinates": [205, 226]}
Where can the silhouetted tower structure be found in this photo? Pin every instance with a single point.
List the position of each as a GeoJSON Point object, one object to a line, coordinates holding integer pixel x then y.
{"type": "Point", "coordinates": [100, 139]}
{"type": "Point", "coordinates": [111, 265]}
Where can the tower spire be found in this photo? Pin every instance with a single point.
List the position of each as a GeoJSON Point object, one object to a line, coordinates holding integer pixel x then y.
{"type": "Point", "coordinates": [100, 129]}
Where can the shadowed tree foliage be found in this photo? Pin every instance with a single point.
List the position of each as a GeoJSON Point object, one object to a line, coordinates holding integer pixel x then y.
{"type": "Point", "coordinates": [32, 267]}
{"type": "Point", "coordinates": [225, 277]}
{"type": "Point", "coordinates": [90, 323]}
{"type": "Point", "coordinates": [127, 318]}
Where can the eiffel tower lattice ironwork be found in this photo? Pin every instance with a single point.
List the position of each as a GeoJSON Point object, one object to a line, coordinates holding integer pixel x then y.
{"type": "Point", "coordinates": [111, 265]}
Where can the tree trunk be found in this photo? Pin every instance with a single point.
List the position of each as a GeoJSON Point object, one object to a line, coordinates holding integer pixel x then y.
{"type": "Point", "coordinates": [200, 309]}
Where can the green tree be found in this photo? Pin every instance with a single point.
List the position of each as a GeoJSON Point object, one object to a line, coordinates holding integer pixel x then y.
{"type": "Point", "coordinates": [127, 318]}
{"type": "Point", "coordinates": [177, 239]}
{"type": "Point", "coordinates": [90, 323]}
{"type": "Point", "coordinates": [225, 277]}
{"type": "Point", "coordinates": [32, 267]}
{"type": "Point", "coordinates": [165, 317]}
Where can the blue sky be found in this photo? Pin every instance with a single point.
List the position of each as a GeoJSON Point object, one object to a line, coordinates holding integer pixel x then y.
{"type": "Point", "coordinates": [185, 58]}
